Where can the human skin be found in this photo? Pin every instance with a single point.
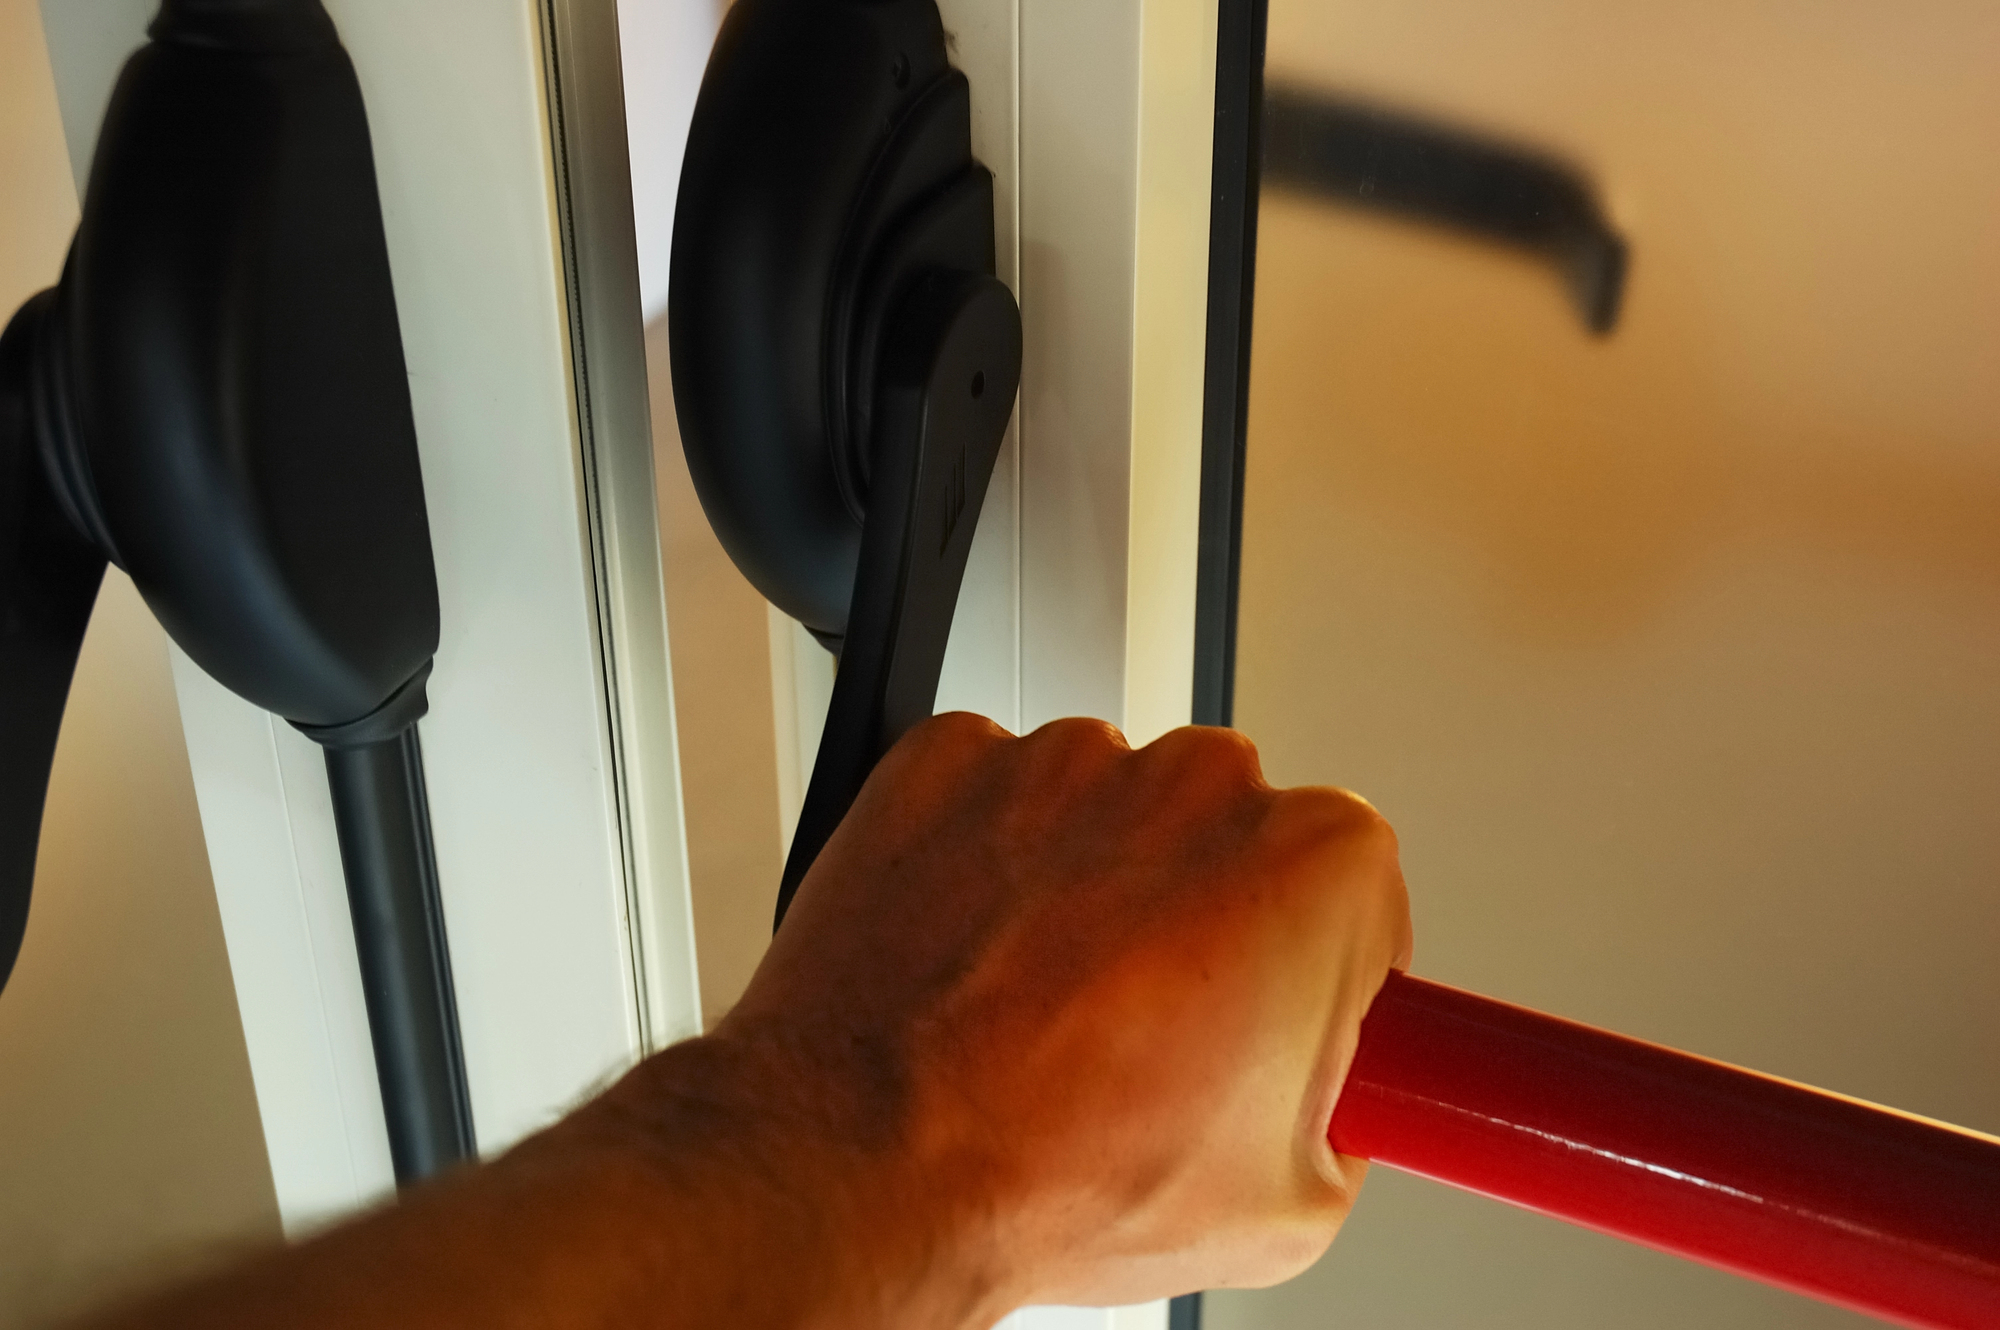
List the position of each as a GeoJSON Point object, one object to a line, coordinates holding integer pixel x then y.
{"type": "Point", "coordinates": [1050, 1020]}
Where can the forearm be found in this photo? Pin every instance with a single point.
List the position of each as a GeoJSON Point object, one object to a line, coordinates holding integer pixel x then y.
{"type": "Point", "coordinates": [689, 1195]}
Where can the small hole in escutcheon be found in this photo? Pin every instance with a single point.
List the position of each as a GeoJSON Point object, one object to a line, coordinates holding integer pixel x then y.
{"type": "Point", "coordinates": [979, 384]}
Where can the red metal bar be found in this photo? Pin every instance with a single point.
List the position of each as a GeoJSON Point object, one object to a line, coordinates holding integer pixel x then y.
{"type": "Point", "coordinates": [1877, 1210]}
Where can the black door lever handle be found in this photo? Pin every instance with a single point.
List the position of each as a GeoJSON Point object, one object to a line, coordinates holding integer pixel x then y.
{"type": "Point", "coordinates": [845, 361]}
{"type": "Point", "coordinates": [951, 365]}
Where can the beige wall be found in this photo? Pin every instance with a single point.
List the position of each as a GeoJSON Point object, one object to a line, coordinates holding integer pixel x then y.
{"type": "Point", "coordinates": [1675, 658]}
{"type": "Point", "coordinates": [129, 1137]}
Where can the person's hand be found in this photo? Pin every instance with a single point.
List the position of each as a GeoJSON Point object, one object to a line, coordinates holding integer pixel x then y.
{"type": "Point", "coordinates": [1050, 1021]}
{"type": "Point", "coordinates": [1088, 1009]}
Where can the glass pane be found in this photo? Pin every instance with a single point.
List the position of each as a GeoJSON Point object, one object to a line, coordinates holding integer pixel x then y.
{"type": "Point", "coordinates": [1671, 648]}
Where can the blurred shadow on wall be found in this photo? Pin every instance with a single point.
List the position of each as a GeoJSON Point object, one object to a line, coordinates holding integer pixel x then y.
{"type": "Point", "coordinates": [1588, 476]}
{"type": "Point", "coordinates": [1514, 196]}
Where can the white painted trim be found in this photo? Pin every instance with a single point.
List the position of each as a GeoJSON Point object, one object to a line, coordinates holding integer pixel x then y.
{"type": "Point", "coordinates": [261, 788]}
{"type": "Point", "coordinates": [1169, 341]}
{"type": "Point", "coordinates": [614, 425]}
{"type": "Point", "coordinates": [549, 748]}
{"type": "Point", "coordinates": [1117, 137]}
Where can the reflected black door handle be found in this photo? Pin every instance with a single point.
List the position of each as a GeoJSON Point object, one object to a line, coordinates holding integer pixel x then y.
{"type": "Point", "coordinates": [214, 398]}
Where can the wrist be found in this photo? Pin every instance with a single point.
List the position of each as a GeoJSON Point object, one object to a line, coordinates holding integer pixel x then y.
{"type": "Point", "coordinates": [776, 1140]}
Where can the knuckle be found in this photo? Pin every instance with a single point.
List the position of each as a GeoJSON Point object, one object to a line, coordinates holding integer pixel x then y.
{"type": "Point", "coordinates": [1209, 747]}
{"type": "Point", "coordinates": [961, 728]}
{"type": "Point", "coordinates": [1231, 751]}
{"type": "Point", "coordinates": [1081, 734]}
{"type": "Point", "coordinates": [953, 739]}
{"type": "Point", "coordinates": [1343, 819]}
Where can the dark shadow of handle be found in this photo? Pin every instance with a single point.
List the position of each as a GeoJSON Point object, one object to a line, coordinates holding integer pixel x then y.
{"type": "Point", "coordinates": [1349, 152]}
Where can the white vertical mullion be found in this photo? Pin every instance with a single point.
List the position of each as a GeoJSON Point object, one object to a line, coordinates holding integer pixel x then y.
{"type": "Point", "coordinates": [614, 423]}
{"type": "Point", "coordinates": [1169, 360]}
{"type": "Point", "coordinates": [1117, 141]}
{"type": "Point", "coordinates": [1080, 68]}
{"type": "Point", "coordinates": [283, 902]}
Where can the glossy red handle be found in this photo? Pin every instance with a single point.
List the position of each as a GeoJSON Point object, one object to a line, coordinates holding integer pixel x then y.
{"type": "Point", "coordinates": [1877, 1210]}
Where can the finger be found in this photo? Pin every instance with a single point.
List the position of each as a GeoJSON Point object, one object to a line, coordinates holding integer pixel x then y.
{"type": "Point", "coordinates": [1222, 752]}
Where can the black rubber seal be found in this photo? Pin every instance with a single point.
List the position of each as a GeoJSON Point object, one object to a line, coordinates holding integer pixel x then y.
{"type": "Point", "coordinates": [405, 707]}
